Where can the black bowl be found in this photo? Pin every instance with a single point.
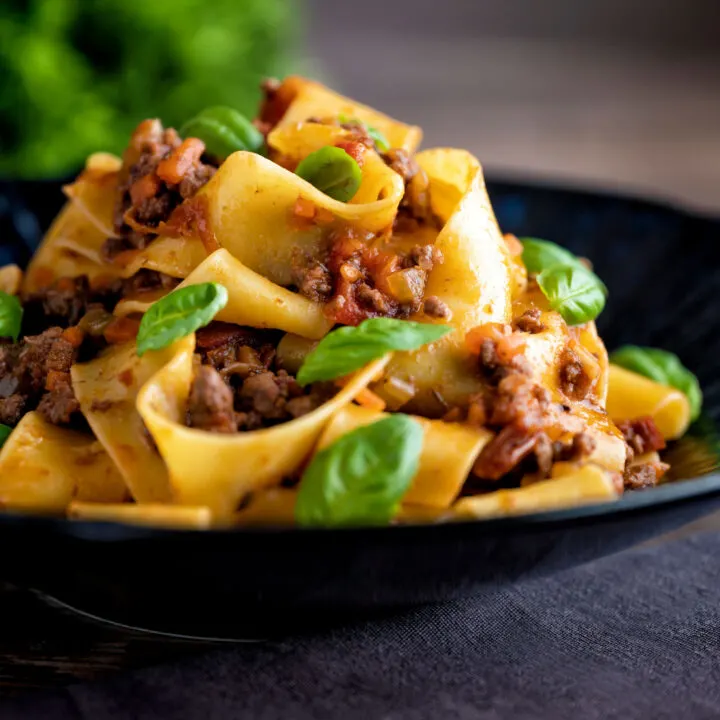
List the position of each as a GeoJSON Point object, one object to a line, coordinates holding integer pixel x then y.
{"type": "Point", "coordinates": [662, 267]}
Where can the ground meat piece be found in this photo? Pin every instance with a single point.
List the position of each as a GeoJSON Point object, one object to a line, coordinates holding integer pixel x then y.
{"type": "Point", "coordinates": [575, 381]}
{"type": "Point", "coordinates": [31, 364]}
{"type": "Point", "coordinates": [312, 278]}
{"type": "Point", "coordinates": [416, 199]}
{"type": "Point", "coordinates": [433, 306]}
{"type": "Point", "coordinates": [487, 358]}
{"type": "Point", "coordinates": [372, 299]}
{"type": "Point", "coordinates": [264, 394]}
{"type": "Point", "coordinates": [12, 408]}
{"type": "Point", "coordinates": [65, 302]}
{"type": "Point", "coordinates": [302, 405]}
{"type": "Point", "coordinates": [639, 477]}
{"type": "Point", "coordinates": [147, 281]}
{"type": "Point", "coordinates": [277, 97]}
{"type": "Point", "coordinates": [218, 334]}
{"type": "Point", "coordinates": [210, 404]}
{"type": "Point", "coordinates": [544, 455]}
{"type": "Point", "coordinates": [505, 451]}
{"type": "Point", "coordinates": [159, 172]}
{"type": "Point", "coordinates": [581, 446]}
{"type": "Point", "coordinates": [60, 404]}
{"type": "Point", "coordinates": [425, 257]}
{"type": "Point", "coordinates": [61, 356]}
{"type": "Point", "coordinates": [195, 179]}
{"type": "Point", "coordinates": [402, 162]}
{"type": "Point", "coordinates": [35, 373]}
{"type": "Point", "coordinates": [529, 321]}
{"type": "Point", "coordinates": [155, 210]}
{"type": "Point", "coordinates": [642, 435]}
{"type": "Point", "coordinates": [521, 401]}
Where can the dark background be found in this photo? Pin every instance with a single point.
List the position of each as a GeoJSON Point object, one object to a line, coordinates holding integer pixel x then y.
{"type": "Point", "coordinates": [614, 93]}
{"type": "Point", "coordinates": [619, 93]}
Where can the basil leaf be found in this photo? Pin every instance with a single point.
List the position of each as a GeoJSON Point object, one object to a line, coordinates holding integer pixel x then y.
{"type": "Point", "coordinates": [381, 142]}
{"type": "Point", "coordinates": [663, 367]}
{"type": "Point", "coordinates": [361, 478]}
{"type": "Point", "coordinates": [574, 291]}
{"type": "Point", "coordinates": [332, 171]}
{"type": "Point", "coordinates": [539, 255]}
{"type": "Point", "coordinates": [4, 433]}
{"type": "Point", "coordinates": [347, 349]}
{"type": "Point", "coordinates": [11, 313]}
{"type": "Point", "coordinates": [224, 131]}
{"type": "Point", "coordinates": [178, 314]}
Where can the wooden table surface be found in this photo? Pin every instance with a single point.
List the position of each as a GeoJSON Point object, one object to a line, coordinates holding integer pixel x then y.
{"type": "Point", "coordinates": [626, 97]}
{"type": "Point", "coordinates": [43, 645]}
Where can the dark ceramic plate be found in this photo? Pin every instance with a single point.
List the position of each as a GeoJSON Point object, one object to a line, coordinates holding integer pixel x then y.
{"type": "Point", "coordinates": [662, 267]}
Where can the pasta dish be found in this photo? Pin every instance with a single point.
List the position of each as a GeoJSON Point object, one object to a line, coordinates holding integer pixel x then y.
{"type": "Point", "coordinates": [302, 319]}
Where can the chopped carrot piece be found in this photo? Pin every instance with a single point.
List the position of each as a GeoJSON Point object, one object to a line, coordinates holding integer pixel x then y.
{"type": "Point", "coordinates": [122, 330]}
{"type": "Point", "coordinates": [487, 331]}
{"type": "Point", "coordinates": [74, 335]}
{"type": "Point", "coordinates": [175, 167]}
{"type": "Point", "coordinates": [368, 399]}
{"type": "Point", "coordinates": [513, 244]}
{"type": "Point", "coordinates": [55, 378]}
{"type": "Point", "coordinates": [304, 208]}
{"type": "Point", "coordinates": [323, 216]}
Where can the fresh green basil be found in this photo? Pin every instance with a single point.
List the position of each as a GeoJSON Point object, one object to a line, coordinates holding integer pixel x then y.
{"type": "Point", "coordinates": [4, 433]}
{"type": "Point", "coordinates": [11, 313]}
{"type": "Point", "coordinates": [180, 313]}
{"type": "Point", "coordinates": [381, 142]}
{"type": "Point", "coordinates": [663, 367]}
{"type": "Point", "coordinates": [361, 478]}
{"type": "Point", "coordinates": [332, 171]}
{"type": "Point", "coordinates": [538, 255]}
{"type": "Point", "coordinates": [571, 288]}
{"type": "Point", "coordinates": [224, 131]}
{"type": "Point", "coordinates": [347, 349]}
{"type": "Point", "coordinates": [574, 291]}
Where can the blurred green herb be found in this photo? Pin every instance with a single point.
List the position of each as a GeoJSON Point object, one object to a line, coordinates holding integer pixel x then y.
{"type": "Point", "coordinates": [224, 131]}
{"type": "Point", "coordinates": [78, 76]}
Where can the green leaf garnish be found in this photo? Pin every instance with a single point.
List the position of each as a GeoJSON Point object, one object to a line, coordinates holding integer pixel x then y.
{"type": "Point", "coordinates": [224, 131]}
{"type": "Point", "coordinates": [11, 313]}
{"type": "Point", "coordinates": [381, 142]}
{"type": "Point", "coordinates": [349, 348]}
{"type": "Point", "coordinates": [539, 255]}
{"type": "Point", "coordinates": [4, 433]}
{"type": "Point", "coordinates": [574, 291]}
{"type": "Point", "coordinates": [178, 314]}
{"type": "Point", "coordinates": [332, 171]}
{"type": "Point", "coordinates": [663, 367]}
{"type": "Point", "coordinates": [361, 478]}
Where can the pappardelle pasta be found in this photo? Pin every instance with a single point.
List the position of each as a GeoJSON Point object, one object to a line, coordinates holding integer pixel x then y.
{"type": "Point", "coordinates": [303, 320]}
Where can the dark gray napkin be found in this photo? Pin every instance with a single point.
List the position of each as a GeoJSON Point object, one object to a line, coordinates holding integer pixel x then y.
{"type": "Point", "coordinates": [635, 635]}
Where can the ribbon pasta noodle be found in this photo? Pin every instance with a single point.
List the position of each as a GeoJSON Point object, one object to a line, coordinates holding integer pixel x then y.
{"type": "Point", "coordinates": [304, 320]}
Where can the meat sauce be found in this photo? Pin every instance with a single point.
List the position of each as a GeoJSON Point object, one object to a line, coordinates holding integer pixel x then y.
{"type": "Point", "coordinates": [239, 385]}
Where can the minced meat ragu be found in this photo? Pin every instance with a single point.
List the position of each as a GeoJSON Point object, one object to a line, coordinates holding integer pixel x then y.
{"type": "Point", "coordinates": [238, 385]}
{"type": "Point", "coordinates": [159, 172]}
{"type": "Point", "coordinates": [519, 410]}
{"type": "Point", "coordinates": [35, 374]}
{"type": "Point", "coordinates": [360, 280]}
